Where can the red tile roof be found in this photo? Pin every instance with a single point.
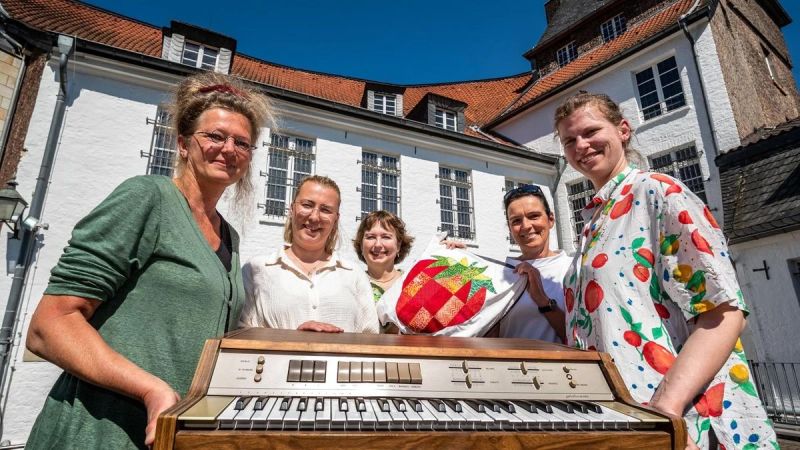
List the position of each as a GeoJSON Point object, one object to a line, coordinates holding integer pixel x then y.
{"type": "Point", "coordinates": [489, 101]}
{"type": "Point", "coordinates": [597, 57]}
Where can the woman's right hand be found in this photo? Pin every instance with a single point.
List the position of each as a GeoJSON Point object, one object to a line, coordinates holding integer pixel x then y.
{"type": "Point", "coordinates": [321, 327]}
{"type": "Point", "coordinates": [156, 401]}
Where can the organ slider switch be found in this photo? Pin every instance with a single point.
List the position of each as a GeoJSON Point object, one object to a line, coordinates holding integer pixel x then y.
{"type": "Point", "coordinates": [344, 372]}
{"type": "Point", "coordinates": [355, 372]}
{"type": "Point", "coordinates": [319, 371]}
{"type": "Point", "coordinates": [294, 371]}
{"type": "Point", "coordinates": [391, 372]}
{"type": "Point", "coordinates": [366, 372]}
{"type": "Point", "coordinates": [380, 372]}
{"type": "Point", "coordinates": [307, 371]}
{"type": "Point", "coordinates": [404, 373]}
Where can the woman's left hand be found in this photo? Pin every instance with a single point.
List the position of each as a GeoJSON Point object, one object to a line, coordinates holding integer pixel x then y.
{"type": "Point", "coordinates": [321, 327]}
{"type": "Point", "coordinates": [453, 244]}
{"type": "Point", "coordinates": [535, 288]}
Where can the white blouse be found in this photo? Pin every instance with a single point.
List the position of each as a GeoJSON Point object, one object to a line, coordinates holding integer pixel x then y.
{"type": "Point", "coordinates": [280, 295]}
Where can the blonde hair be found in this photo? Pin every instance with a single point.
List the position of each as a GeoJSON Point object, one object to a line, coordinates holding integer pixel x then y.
{"type": "Point", "coordinates": [610, 111]}
{"type": "Point", "coordinates": [330, 243]}
{"type": "Point", "coordinates": [201, 92]}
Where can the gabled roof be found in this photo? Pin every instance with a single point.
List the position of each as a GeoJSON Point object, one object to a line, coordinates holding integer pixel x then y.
{"type": "Point", "coordinates": [485, 98]}
{"type": "Point", "coordinates": [760, 191]}
{"type": "Point", "coordinates": [597, 58]}
{"type": "Point", "coordinates": [568, 14]}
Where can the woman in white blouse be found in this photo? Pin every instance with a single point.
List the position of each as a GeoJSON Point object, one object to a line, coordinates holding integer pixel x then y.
{"type": "Point", "coordinates": [307, 285]}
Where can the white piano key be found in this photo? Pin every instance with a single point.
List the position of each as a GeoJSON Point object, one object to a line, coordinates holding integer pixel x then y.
{"type": "Point", "coordinates": [225, 418]}
{"type": "Point", "coordinates": [479, 420]}
{"type": "Point", "coordinates": [458, 421]}
{"type": "Point", "coordinates": [384, 419]}
{"type": "Point", "coordinates": [489, 423]}
{"type": "Point", "coordinates": [353, 416]}
{"type": "Point", "coordinates": [242, 420]}
{"type": "Point", "coordinates": [292, 417]}
{"type": "Point", "coordinates": [368, 418]}
{"type": "Point", "coordinates": [441, 419]}
{"type": "Point", "coordinates": [309, 416]}
{"type": "Point", "coordinates": [619, 420]}
{"type": "Point", "coordinates": [259, 418]}
{"type": "Point", "coordinates": [415, 421]}
{"type": "Point", "coordinates": [534, 420]}
{"type": "Point", "coordinates": [398, 417]}
{"type": "Point", "coordinates": [323, 418]}
{"type": "Point", "coordinates": [566, 420]}
{"type": "Point", "coordinates": [427, 419]}
{"type": "Point", "coordinates": [275, 416]}
{"type": "Point", "coordinates": [338, 417]}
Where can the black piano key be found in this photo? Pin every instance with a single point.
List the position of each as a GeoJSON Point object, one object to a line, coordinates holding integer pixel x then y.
{"type": "Point", "coordinates": [415, 404]}
{"type": "Point", "coordinates": [360, 405]}
{"type": "Point", "coordinates": [454, 405]}
{"type": "Point", "coordinates": [319, 405]}
{"type": "Point", "coordinates": [578, 406]}
{"type": "Point", "coordinates": [399, 404]}
{"type": "Point", "coordinates": [489, 405]}
{"type": "Point", "coordinates": [563, 406]}
{"type": "Point", "coordinates": [384, 404]}
{"type": "Point", "coordinates": [438, 404]}
{"type": "Point", "coordinates": [542, 406]}
{"type": "Point", "coordinates": [342, 404]}
{"type": "Point", "coordinates": [260, 403]}
{"type": "Point", "coordinates": [592, 407]}
{"type": "Point", "coordinates": [242, 402]}
{"type": "Point", "coordinates": [526, 405]}
{"type": "Point", "coordinates": [285, 401]}
{"type": "Point", "coordinates": [506, 406]}
{"type": "Point", "coordinates": [476, 405]}
{"type": "Point", "coordinates": [302, 404]}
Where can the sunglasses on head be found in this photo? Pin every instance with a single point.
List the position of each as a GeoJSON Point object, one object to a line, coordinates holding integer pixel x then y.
{"type": "Point", "coordinates": [520, 191]}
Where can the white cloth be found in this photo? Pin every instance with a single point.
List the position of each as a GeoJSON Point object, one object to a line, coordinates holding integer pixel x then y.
{"type": "Point", "coordinates": [524, 320]}
{"type": "Point", "coordinates": [450, 292]}
{"type": "Point", "coordinates": [279, 295]}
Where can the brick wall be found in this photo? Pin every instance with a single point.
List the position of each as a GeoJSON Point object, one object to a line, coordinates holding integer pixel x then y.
{"type": "Point", "coordinates": [745, 34]}
{"type": "Point", "coordinates": [9, 74]}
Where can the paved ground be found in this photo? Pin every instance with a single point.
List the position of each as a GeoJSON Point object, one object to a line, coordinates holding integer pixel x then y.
{"type": "Point", "coordinates": [787, 444]}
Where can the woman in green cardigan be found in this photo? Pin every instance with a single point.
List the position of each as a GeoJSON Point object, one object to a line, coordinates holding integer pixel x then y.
{"type": "Point", "coordinates": [147, 277]}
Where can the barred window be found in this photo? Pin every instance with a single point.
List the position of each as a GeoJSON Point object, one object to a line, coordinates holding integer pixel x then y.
{"type": "Point", "coordinates": [290, 159]}
{"type": "Point", "coordinates": [161, 158]}
{"type": "Point", "coordinates": [566, 54]}
{"type": "Point", "coordinates": [579, 195]}
{"type": "Point", "coordinates": [660, 88]}
{"type": "Point", "coordinates": [683, 164]}
{"type": "Point", "coordinates": [613, 28]}
{"type": "Point", "coordinates": [455, 203]}
{"type": "Point", "coordinates": [385, 103]}
{"type": "Point", "coordinates": [380, 183]}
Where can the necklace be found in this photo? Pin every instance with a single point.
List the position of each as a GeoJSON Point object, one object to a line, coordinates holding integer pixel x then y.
{"type": "Point", "coordinates": [391, 277]}
{"type": "Point", "coordinates": [307, 268]}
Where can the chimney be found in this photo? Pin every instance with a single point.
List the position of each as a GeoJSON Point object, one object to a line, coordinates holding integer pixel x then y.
{"type": "Point", "coordinates": [550, 8]}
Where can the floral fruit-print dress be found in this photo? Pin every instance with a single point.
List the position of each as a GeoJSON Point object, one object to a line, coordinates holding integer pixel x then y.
{"type": "Point", "coordinates": [651, 259]}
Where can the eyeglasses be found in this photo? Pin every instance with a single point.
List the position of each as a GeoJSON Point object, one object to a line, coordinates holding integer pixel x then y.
{"type": "Point", "coordinates": [520, 191]}
{"type": "Point", "coordinates": [217, 140]}
{"type": "Point", "coordinates": [307, 208]}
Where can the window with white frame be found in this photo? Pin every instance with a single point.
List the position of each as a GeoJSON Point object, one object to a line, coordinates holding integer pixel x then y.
{"type": "Point", "coordinates": [611, 29]}
{"type": "Point", "coordinates": [384, 103]}
{"type": "Point", "coordinates": [455, 203]}
{"type": "Point", "coordinates": [290, 159]}
{"type": "Point", "coordinates": [161, 158]}
{"type": "Point", "coordinates": [683, 164]}
{"type": "Point", "coordinates": [200, 56]}
{"type": "Point", "coordinates": [579, 195]}
{"type": "Point", "coordinates": [660, 88]}
{"type": "Point", "coordinates": [380, 183]}
{"type": "Point", "coordinates": [446, 119]}
{"type": "Point", "coordinates": [566, 54]}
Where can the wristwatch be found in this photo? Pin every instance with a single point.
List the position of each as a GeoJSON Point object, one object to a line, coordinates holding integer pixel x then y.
{"type": "Point", "coordinates": [550, 306]}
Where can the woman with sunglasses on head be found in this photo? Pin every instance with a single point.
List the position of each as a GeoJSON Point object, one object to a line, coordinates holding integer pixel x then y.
{"type": "Point", "coordinates": [307, 285]}
{"type": "Point", "coordinates": [147, 277]}
{"type": "Point", "coordinates": [652, 284]}
{"type": "Point", "coordinates": [539, 313]}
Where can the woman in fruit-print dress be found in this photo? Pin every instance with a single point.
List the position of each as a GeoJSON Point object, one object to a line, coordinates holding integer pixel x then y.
{"type": "Point", "coordinates": [652, 284]}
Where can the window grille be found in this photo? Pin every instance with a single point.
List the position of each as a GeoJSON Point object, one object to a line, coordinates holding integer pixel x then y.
{"type": "Point", "coordinates": [579, 195]}
{"type": "Point", "coordinates": [289, 160]}
{"type": "Point", "coordinates": [455, 203]}
{"type": "Point", "coordinates": [566, 54]}
{"type": "Point", "coordinates": [380, 183]}
{"type": "Point", "coordinates": [613, 28]}
{"type": "Point", "coordinates": [683, 164]}
{"type": "Point", "coordinates": [161, 158]}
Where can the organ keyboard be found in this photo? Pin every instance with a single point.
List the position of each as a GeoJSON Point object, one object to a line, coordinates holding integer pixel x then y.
{"type": "Point", "coordinates": [261, 388]}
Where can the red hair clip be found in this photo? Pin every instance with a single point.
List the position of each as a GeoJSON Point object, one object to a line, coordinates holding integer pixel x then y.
{"type": "Point", "coordinates": [225, 88]}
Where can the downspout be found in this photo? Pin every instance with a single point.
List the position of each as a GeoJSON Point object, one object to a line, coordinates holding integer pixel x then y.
{"type": "Point", "coordinates": [32, 224]}
{"type": "Point", "coordinates": [561, 165]}
{"type": "Point", "coordinates": [684, 26]}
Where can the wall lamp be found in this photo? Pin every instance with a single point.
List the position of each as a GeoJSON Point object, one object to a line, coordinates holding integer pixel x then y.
{"type": "Point", "coordinates": [12, 206]}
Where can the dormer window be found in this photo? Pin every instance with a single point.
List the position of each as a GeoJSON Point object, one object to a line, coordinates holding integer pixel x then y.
{"type": "Point", "coordinates": [384, 103]}
{"type": "Point", "coordinates": [444, 118]}
{"type": "Point", "coordinates": [566, 54]}
{"type": "Point", "coordinates": [200, 56]}
{"type": "Point", "coordinates": [613, 28]}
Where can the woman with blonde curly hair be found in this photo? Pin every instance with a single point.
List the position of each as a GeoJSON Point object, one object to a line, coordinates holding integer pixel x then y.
{"type": "Point", "coordinates": [147, 277]}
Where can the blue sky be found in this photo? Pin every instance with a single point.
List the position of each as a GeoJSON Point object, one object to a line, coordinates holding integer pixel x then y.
{"type": "Point", "coordinates": [406, 41]}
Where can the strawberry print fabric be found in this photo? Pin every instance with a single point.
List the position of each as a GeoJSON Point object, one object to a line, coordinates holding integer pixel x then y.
{"type": "Point", "coordinates": [652, 258]}
{"type": "Point", "coordinates": [450, 292]}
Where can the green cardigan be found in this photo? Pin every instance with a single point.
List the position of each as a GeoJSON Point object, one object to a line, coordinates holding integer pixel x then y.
{"type": "Point", "coordinates": [164, 292]}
